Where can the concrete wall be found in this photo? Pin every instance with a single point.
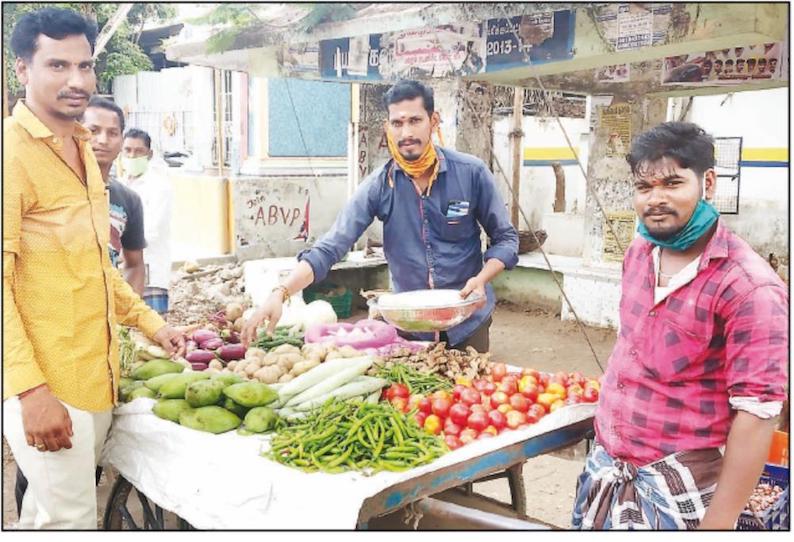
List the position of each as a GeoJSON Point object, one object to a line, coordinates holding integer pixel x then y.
{"type": "Point", "coordinates": [199, 224]}
{"type": "Point", "coordinates": [269, 213]}
{"type": "Point", "coordinates": [757, 117]}
{"type": "Point", "coordinates": [529, 287]}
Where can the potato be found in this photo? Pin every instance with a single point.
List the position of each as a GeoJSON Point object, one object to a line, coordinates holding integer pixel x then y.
{"type": "Point", "coordinates": [254, 353]}
{"type": "Point", "coordinates": [238, 324]}
{"type": "Point", "coordinates": [231, 365]}
{"type": "Point", "coordinates": [287, 349]}
{"type": "Point", "coordinates": [333, 355]}
{"type": "Point", "coordinates": [286, 378]}
{"type": "Point", "coordinates": [349, 352]}
{"type": "Point", "coordinates": [216, 365]}
{"type": "Point", "coordinates": [234, 311]}
{"type": "Point", "coordinates": [251, 368]}
{"type": "Point", "coordinates": [303, 366]}
{"type": "Point", "coordinates": [270, 359]}
{"type": "Point", "coordinates": [268, 375]}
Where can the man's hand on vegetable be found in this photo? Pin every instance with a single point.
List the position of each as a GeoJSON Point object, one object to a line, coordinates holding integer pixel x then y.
{"type": "Point", "coordinates": [476, 286]}
{"type": "Point", "coordinates": [271, 311]}
{"type": "Point", "coordinates": [171, 340]}
{"type": "Point", "coordinates": [45, 420]}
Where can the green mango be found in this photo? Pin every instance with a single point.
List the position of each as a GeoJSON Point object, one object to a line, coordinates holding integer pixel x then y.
{"type": "Point", "coordinates": [155, 383]}
{"type": "Point", "coordinates": [143, 391]}
{"type": "Point", "coordinates": [212, 419]}
{"type": "Point", "coordinates": [250, 394]}
{"type": "Point", "coordinates": [125, 391]}
{"type": "Point", "coordinates": [243, 432]}
{"type": "Point", "coordinates": [204, 392]}
{"type": "Point", "coordinates": [124, 382]}
{"type": "Point", "coordinates": [260, 419]}
{"type": "Point", "coordinates": [228, 378]}
{"type": "Point", "coordinates": [170, 409]}
{"type": "Point", "coordinates": [175, 388]}
{"type": "Point", "coordinates": [156, 367]}
{"type": "Point", "coordinates": [231, 406]}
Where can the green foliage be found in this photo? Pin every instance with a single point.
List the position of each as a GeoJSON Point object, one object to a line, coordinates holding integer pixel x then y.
{"type": "Point", "coordinates": [121, 55]}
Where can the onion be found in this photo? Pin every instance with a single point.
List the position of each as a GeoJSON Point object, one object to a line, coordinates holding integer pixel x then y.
{"type": "Point", "coordinates": [201, 335]}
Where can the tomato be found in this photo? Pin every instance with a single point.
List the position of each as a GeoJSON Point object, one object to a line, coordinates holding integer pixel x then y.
{"type": "Point", "coordinates": [492, 430]}
{"type": "Point", "coordinates": [420, 418]}
{"type": "Point", "coordinates": [560, 377]}
{"type": "Point", "coordinates": [515, 418]}
{"type": "Point", "coordinates": [451, 428]}
{"type": "Point", "coordinates": [441, 407]}
{"type": "Point", "coordinates": [467, 435]}
{"type": "Point", "coordinates": [477, 421]}
{"type": "Point", "coordinates": [397, 390]}
{"type": "Point", "coordinates": [485, 434]}
{"type": "Point", "coordinates": [574, 389]}
{"type": "Point", "coordinates": [505, 408]}
{"type": "Point", "coordinates": [499, 398]}
{"type": "Point", "coordinates": [497, 419]}
{"type": "Point", "coordinates": [573, 399]}
{"type": "Point", "coordinates": [489, 388]}
{"type": "Point", "coordinates": [456, 391]}
{"type": "Point", "coordinates": [590, 395]}
{"type": "Point", "coordinates": [546, 399]}
{"type": "Point", "coordinates": [470, 396]}
{"type": "Point", "coordinates": [432, 424]}
{"type": "Point", "coordinates": [593, 384]}
{"type": "Point", "coordinates": [498, 371]}
{"type": "Point", "coordinates": [544, 379]}
{"type": "Point", "coordinates": [459, 413]}
{"type": "Point", "coordinates": [479, 384]}
{"type": "Point", "coordinates": [425, 405]}
{"type": "Point", "coordinates": [525, 381]}
{"type": "Point", "coordinates": [559, 403]}
{"type": "Point", "coordinates": [400, 403]}
{"type": "Point", "coordinates": [535, 413]}
{"type": "Point", "coordinates": [575, 378]}
{"type": "Point", "coordinates": [534, 373]}
{"type": "Point", "coordinates": [441, 394]}
{"type": "Point", "coordinates": [556, 389]}
{"type": "Point", "coordinates": [452, 442]}
{"type": "Point", "coordinates": [519, 402]}
{"type": "Point", "coordinates": [413, 401]}
{"type": "Point", "coordinates": [463, 381]}
{"type": "Point", "coordinates": [511, 383]}
{"type": "Point", "coordinates": [478, 408]}
{"type": "Point", "coordinates": [530, 391]}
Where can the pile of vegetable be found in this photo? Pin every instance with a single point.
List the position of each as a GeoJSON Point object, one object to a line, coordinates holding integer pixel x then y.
{"type": "Point", "coordinates": [372, 337]}
{"type": "Point", "coordinates": [354, 436]}
{"type": "Point", "coordinates": [487, 406]}
{"type": "Point", "coordinates": [339, 379]}
{"type": "Point", "coordinates": [437, 360]}
{"type": "Point", "coordinates": [135, 349]}
{"type": "Point", "coordinates": [414, 381]}
{"type": "Point", "coordinates": [285, 362]}
{"type": "Point", "coordinates": [283, 335]}
{"type": "Point", "coordinates": [208, 348]}
{"type": "Point", "coordinates": [195, 399]}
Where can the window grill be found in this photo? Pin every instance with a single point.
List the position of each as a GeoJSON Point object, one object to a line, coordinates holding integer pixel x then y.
{"type": "Point", "coordinates": [727, 156]}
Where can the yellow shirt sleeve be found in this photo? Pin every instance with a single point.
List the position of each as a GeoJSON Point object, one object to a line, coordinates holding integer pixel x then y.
{"type": "Point", "coordinates": [21, 372]}
{"type": "Point", "coordinates": [131, 309]}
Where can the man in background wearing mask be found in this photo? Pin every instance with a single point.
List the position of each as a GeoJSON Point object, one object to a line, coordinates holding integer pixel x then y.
{"type": "Point", "coordinates": [697, 377]}
{"type": "Point", "coordinates": [157, 197]}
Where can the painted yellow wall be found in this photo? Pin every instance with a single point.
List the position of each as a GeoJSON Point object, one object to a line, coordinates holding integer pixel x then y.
{"type": "Point", "coordinates": [199, 225]}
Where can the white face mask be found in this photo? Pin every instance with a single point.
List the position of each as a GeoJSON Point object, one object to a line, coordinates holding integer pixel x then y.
{"type": "Point", "coordinates": [135, 167]}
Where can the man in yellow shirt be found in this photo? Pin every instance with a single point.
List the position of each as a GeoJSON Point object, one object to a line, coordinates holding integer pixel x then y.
{"type": "Point", "coordinates": [62, 298]}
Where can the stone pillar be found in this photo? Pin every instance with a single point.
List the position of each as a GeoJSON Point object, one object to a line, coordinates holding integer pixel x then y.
{"type": "Point", "coordinates": [610, 177]}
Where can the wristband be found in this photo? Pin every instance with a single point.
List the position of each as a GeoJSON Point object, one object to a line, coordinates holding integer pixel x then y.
{"type": "Point", "coordinates": [284, 292]}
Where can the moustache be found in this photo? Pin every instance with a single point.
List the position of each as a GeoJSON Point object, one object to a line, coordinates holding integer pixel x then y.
{"type": "Point", "coordinates": [72, 95]}
{"type": "Point", "coordinates": [405, 142]}
{"type": "Point", "coordinates": [659, 211]}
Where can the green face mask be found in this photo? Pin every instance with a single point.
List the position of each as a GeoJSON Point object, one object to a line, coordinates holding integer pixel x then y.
{"type": "Point", "coordinates": [135, 167]}
{"type": "Point", "coordinates": [702, 220]}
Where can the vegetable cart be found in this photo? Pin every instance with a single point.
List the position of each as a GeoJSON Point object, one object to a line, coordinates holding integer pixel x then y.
{"type": "Point", "coordinates": [171, 477]}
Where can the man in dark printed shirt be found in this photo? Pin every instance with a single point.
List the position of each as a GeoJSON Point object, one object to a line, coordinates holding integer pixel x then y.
{"type": "Point", "coordinates": [105, 120]}
{"type": "Point", "coordinates": [698, 375]}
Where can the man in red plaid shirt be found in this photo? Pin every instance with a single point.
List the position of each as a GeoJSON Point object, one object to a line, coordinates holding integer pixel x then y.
{"type": "Point", "coordinates": [698, 375]}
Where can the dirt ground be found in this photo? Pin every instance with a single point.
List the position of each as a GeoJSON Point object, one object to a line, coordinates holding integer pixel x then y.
{"type": "Point", "coordinates": [522, 337]}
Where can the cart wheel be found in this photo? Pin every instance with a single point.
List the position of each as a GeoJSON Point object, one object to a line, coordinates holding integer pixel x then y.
{"type": "Point", "coordinates": [137, 513]}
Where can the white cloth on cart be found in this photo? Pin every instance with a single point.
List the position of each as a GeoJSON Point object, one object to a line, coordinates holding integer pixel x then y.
{"type": "Point", "coordinates": [221, 482]}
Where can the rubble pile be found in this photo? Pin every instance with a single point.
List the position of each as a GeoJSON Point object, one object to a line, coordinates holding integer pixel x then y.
{"type": "Point", "coordinates": [200, 291]}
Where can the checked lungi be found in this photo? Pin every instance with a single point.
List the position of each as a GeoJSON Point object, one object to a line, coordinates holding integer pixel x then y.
{"type": "Point", "coordinates": [671, 493]}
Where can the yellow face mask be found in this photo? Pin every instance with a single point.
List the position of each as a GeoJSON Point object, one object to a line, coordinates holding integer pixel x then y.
{"type": "Point", "coordinates": [416, 168]}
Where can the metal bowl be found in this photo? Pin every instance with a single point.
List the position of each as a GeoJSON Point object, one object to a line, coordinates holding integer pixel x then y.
{"type": "Point", "coordinates": [425, 310]}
